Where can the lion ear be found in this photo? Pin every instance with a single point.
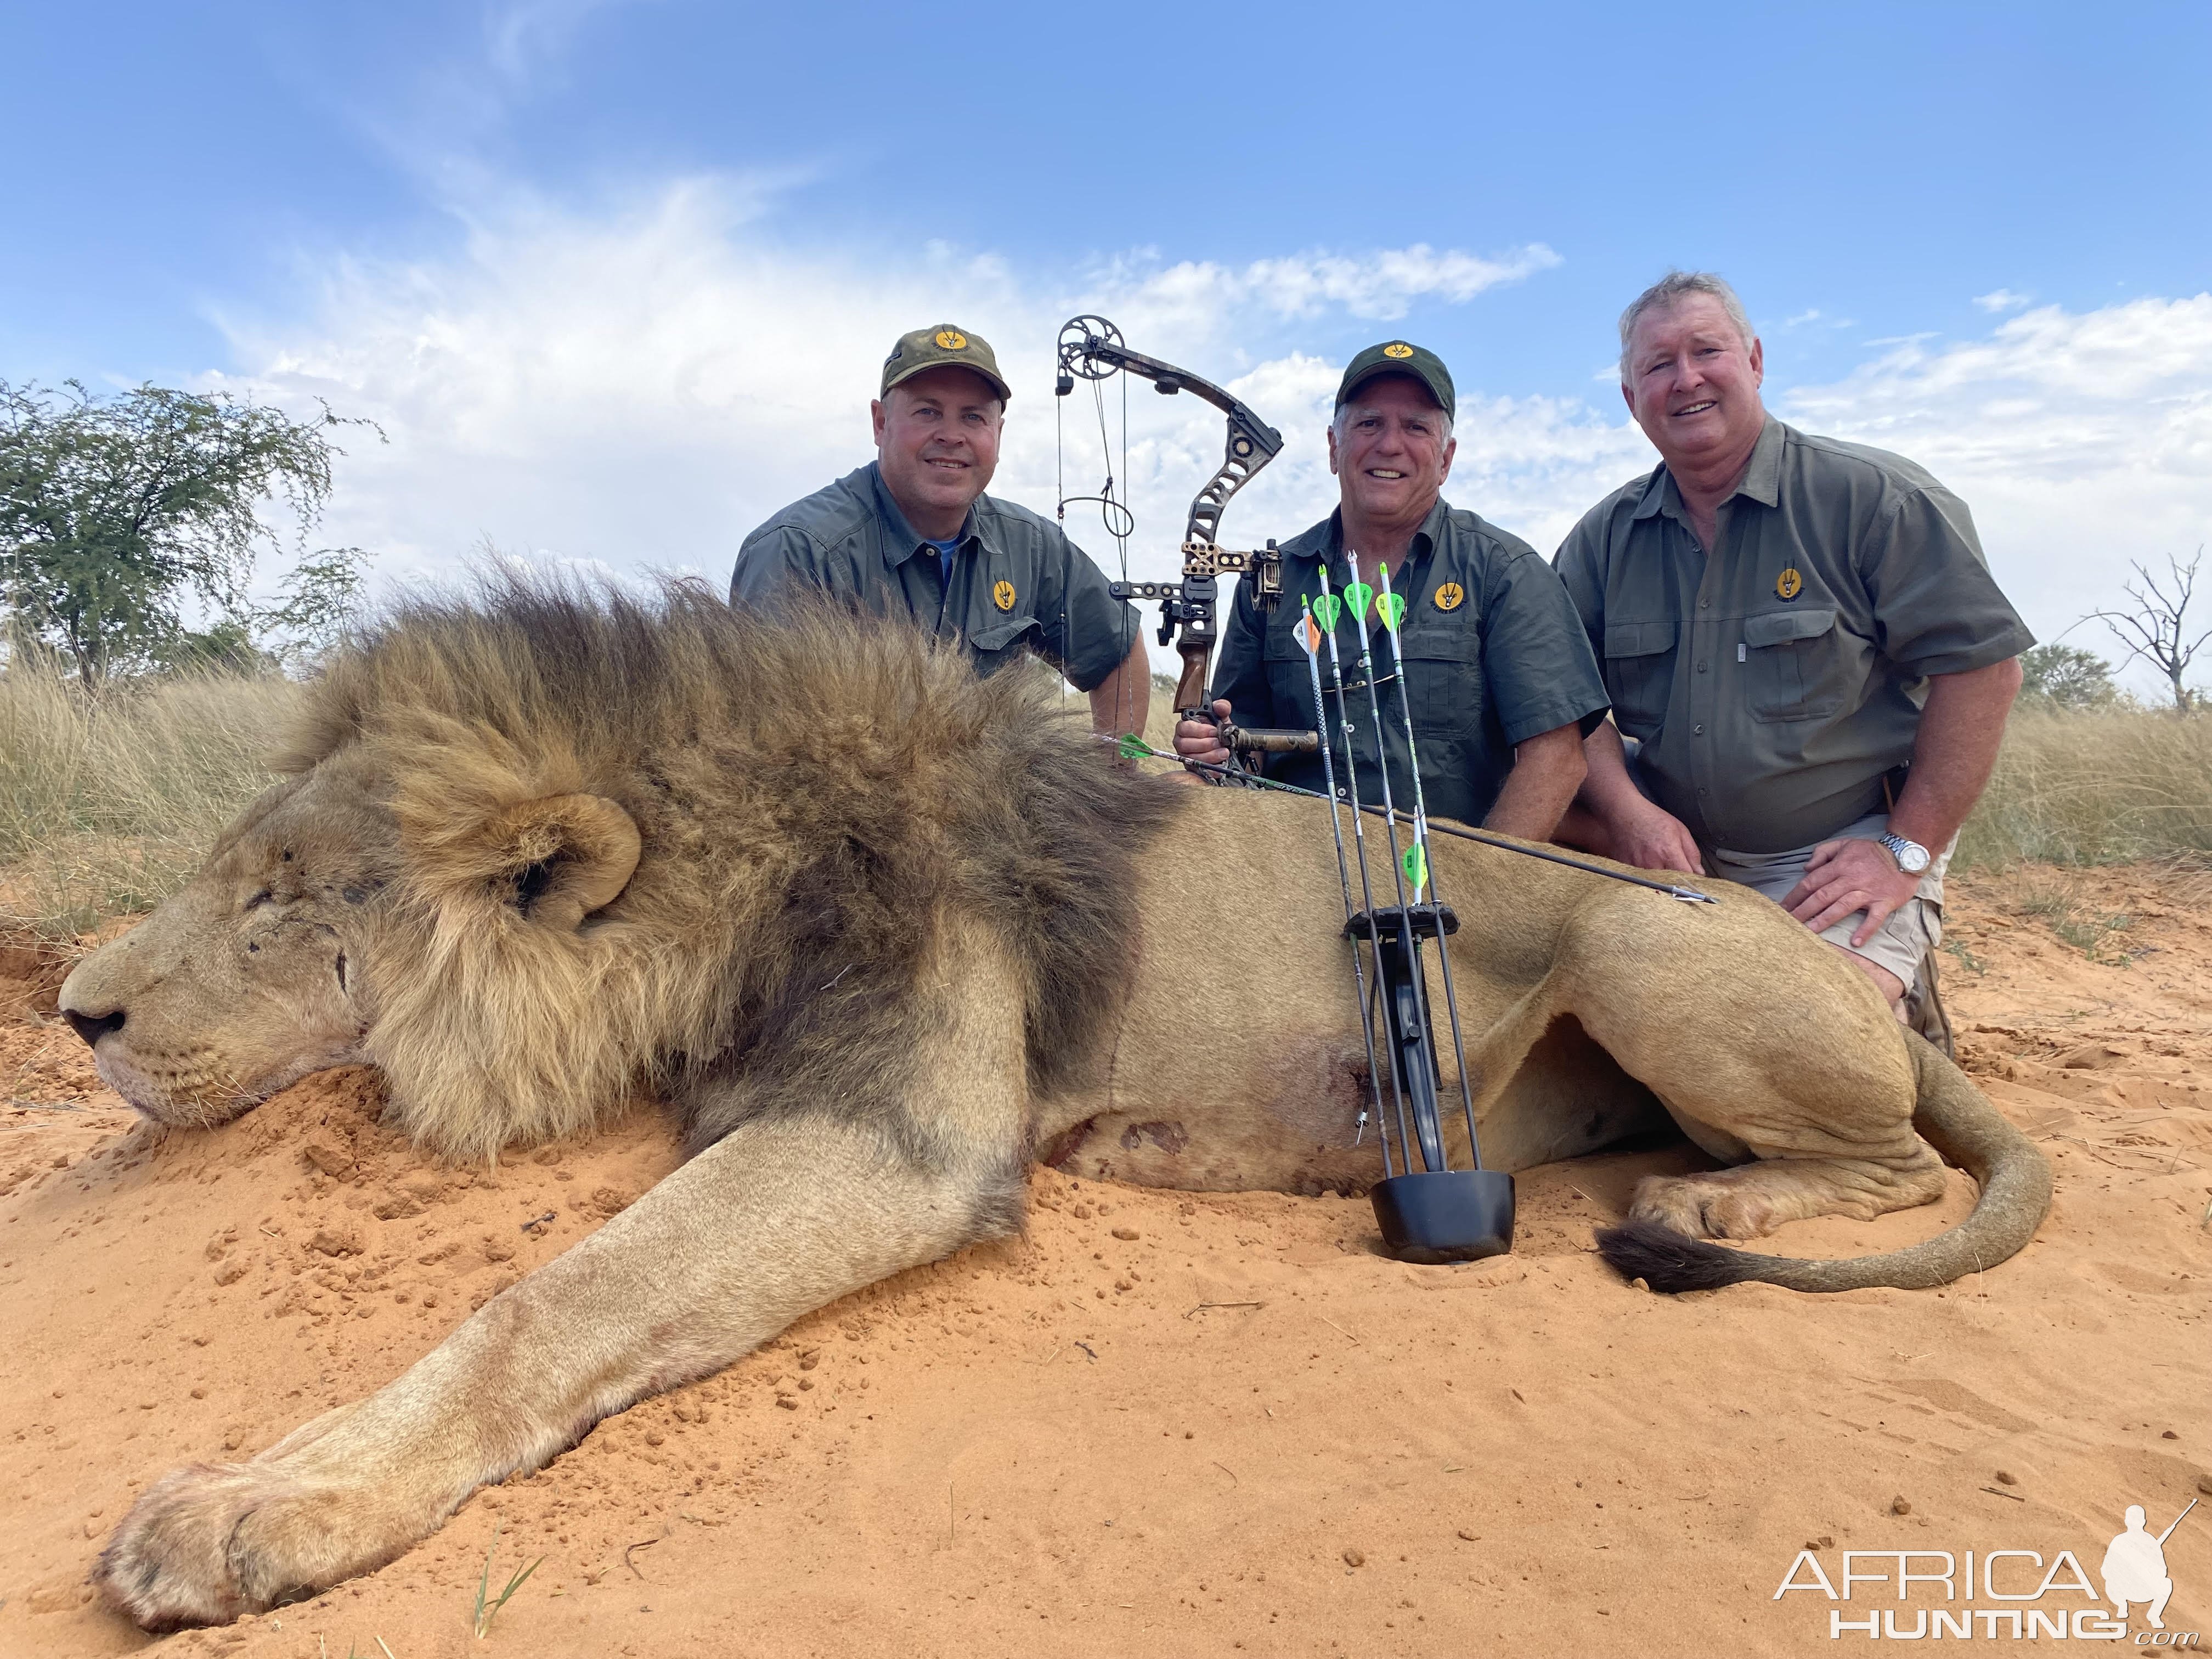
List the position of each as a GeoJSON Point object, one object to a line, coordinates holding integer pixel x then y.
{"type": "Point", "coordinates": [561, 857]}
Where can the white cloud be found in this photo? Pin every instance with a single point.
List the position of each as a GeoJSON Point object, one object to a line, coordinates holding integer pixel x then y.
{"type": "Point", "coordinates": [2081, 440]}
{"type": "Point", "coordinates": [1381, 285]}
{"type": "Point", "coordinates": [2000, 300]}
{"type": "Point", "coordinates": [642, 389]}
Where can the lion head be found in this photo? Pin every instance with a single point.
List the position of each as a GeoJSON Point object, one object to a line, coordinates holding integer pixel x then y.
{"type": "Point", "coordinates": [539, 854]}
{"type": "Point", "coordinates": [265, 967]}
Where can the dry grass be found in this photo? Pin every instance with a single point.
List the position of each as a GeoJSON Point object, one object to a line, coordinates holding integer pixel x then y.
{"type": "Point", "coordinates": [107, 805]}
{"type": "Point", "coordinates": [2105, 789]}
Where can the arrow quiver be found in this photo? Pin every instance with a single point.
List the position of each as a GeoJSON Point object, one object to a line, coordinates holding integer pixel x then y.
{"type": "Point", "coordinates": [1091, 348]}
{"type": "Point", "coordinates": [1436, 1213]}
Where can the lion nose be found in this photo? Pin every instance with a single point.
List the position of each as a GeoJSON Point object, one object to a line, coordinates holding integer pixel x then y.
{"type": "Point", "coordinates": [93, 1027]}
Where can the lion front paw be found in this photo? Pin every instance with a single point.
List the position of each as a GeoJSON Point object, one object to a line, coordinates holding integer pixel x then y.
{"type": "Point", "coordinates": [209, 1542]}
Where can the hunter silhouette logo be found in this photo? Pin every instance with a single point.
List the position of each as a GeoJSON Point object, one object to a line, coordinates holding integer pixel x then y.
{"type": "Point", "coordinates": [1002, 595]}
{"type": "Point", "coordinates": [952, 339]}
{"type": "Point", "coordinates": [2134, 1568]}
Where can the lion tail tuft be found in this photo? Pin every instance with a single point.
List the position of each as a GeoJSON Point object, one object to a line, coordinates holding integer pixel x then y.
{"type": "Point", "coordinates": [1671, 1261]}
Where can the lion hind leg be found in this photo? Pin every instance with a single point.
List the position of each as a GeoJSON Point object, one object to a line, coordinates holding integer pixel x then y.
{"type": "Point", "coordinates": [1752, 1199]}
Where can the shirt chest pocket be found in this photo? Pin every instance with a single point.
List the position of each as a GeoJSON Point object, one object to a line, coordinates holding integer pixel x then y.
{"type": "Point", "coordinates": [1443, 679]}
{"type": "Point", "coordinates": [1002, 614]}
{"type": "Point", "coordinates": [995, 643]}
{"type": "Point", "coordinates": [1640, 672]}
{"type": "Point", "coordinates": [1793, 664]}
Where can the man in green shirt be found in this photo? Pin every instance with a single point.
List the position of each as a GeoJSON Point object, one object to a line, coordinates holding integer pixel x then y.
{"type": "Point", "coordinates": [913, 534]}
{"type": "Point", "coordinates": [1804, 637]}
{"type": "Point", "coordinates": [1501, 678]}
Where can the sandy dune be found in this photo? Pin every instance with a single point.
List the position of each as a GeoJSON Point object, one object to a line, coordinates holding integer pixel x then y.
{"type": "Point", "coordinates": [1162, 1425]}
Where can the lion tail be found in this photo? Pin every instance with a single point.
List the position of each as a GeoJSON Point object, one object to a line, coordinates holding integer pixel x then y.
{"type": "Point", "coordinates": [1952, 1116]}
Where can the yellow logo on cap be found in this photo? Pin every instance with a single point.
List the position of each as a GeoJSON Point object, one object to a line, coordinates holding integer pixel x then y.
{"type": "Point", "coordinates": [952, 339]}
{"type": "Point", "coordinates": [1788, 585]}
{"type": "Point", "coordinates": [1397, 349]}
{"type": "Point", "coordinates": [1002, 593]}
{"type": "Point", "coordinates": [1449, 595]}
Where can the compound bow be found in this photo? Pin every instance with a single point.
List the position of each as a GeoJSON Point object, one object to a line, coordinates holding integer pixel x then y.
{"type": "Point", "coordinates": [1090, 349]}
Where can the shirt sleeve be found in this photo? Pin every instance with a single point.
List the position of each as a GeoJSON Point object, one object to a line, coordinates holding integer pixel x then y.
{"type": "Point", "coordinates": [773, 559]}
{"type": "Point", "coordinates": [1240, 672]}
{"type": "Point", "coordinates": [1536, 656]}
{"type": "Point", "coordinates": [1935, 605]}
{"type": "Point", "coordinates": [1086, 630]}
{"type": "Point", "coordinates": [1577, 564]}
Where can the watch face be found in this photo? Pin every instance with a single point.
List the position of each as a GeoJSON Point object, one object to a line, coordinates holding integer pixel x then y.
{"type": "Point", "coordinates": [1912, 857]}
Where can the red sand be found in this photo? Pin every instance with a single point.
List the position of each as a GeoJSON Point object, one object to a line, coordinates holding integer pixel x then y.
{"type": "Point", "coordinates": [1161, 1424]}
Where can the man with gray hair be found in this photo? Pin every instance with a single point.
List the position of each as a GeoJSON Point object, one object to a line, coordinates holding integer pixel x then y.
{"type": "Point", "coordinates": [1804, 640]}
{"type": "Point", "coordinates": [1500, 678]}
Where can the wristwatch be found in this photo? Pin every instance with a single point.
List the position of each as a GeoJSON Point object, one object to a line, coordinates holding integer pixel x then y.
{"type": "Point", "coordinates": [1912, 857]}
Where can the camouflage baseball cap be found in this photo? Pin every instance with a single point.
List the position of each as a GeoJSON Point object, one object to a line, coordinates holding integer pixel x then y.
{"type": "Point", "coordinates": [928, 348]}
{"type": "Point", "coordinates": [1396, 357]}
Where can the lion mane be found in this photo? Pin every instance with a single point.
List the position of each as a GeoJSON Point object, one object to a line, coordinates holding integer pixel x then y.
{"type": "Point", "coordinates": [805, 794]}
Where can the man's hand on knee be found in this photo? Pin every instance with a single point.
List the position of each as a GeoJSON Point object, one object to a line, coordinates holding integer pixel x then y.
{"type": "Point", "coordinates": [1844, 877]}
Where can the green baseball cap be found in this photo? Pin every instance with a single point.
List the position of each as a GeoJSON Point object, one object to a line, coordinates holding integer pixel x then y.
{"type": "Point", "coordinates": [928, 348]}
{"type": "Point", "coordinates": [1396, 357]}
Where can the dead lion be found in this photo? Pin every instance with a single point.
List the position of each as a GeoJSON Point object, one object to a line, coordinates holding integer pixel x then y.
{"type": "Point", "coordinates": [879, 932]}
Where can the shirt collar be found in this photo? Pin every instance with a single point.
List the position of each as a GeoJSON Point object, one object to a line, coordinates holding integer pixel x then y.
{"type": "Point", "coordinates": [901, 540]}
{"type": "Point", "coordinates": [1425, 542]}
{"type": "Point", "coordinates": [1761, 480]}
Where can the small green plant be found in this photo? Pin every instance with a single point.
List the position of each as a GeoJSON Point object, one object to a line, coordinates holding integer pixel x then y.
{"type": "Point", "coordinates": [1967, 959]}
{"type": "Point", "coordinates": [2088, 932]}
{"type": "Point", "coordinates": [488, 1606]}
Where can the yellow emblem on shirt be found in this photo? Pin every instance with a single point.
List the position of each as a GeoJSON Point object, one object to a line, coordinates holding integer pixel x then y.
{"type": "Point", "coordinates": [1002, 595]}
{"type": "Point", "coordinates": [952, 340]}
{"type": "Point", "coordinates": [1788, 585]}
{"type": "Point", "coordinates": [1397, 349]}
{"type": "Point", "coordinates": [1448, 596]}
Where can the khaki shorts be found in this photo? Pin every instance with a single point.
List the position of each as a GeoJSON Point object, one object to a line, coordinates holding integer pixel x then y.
{"type": "Point", "coordinates": [1901, 944]}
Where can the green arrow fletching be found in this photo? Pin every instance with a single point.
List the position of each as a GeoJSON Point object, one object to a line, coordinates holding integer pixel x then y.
{"type": "Point", "coordinates": [1357, 594]}
{"type": "Point", "coordinates": [1416, 864]}
{"type": "Point", "coordinates": [1328, 608]}
{"type": "Point", "coordinates": [1134, 747]}
{"type": "Point", "coordinates": [1391, 606]}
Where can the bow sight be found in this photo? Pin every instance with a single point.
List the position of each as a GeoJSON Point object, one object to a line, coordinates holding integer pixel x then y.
{"type": "Point", "coordinates": [1090, 349]}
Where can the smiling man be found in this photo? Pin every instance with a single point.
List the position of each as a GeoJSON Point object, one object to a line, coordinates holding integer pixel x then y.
{"type": "Point", "coordinates": [913, 534]}
{"type": "Point", "coordinates": [1501, 678]}
{"type": "Point", "coordinates": [1805, 639]}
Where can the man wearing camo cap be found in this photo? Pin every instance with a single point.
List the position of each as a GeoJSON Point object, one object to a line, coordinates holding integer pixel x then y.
{"type": "Point", "coordinates": [913, 534]}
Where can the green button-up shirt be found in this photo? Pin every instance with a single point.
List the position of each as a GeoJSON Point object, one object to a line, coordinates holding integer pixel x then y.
{"type": "Point", "coordinates": [1774, 682]}
{"type": "Point", "coordinates": [1015, 581]}
{"type": "Point", "coordinates": [1494, 654]}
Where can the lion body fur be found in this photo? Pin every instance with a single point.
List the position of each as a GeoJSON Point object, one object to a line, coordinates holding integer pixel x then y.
{"type": "Point", "coordinates": [882, 933]}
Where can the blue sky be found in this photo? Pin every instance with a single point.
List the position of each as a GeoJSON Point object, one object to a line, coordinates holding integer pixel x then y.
{"type": "Point", "coordinates": [613, 276]}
